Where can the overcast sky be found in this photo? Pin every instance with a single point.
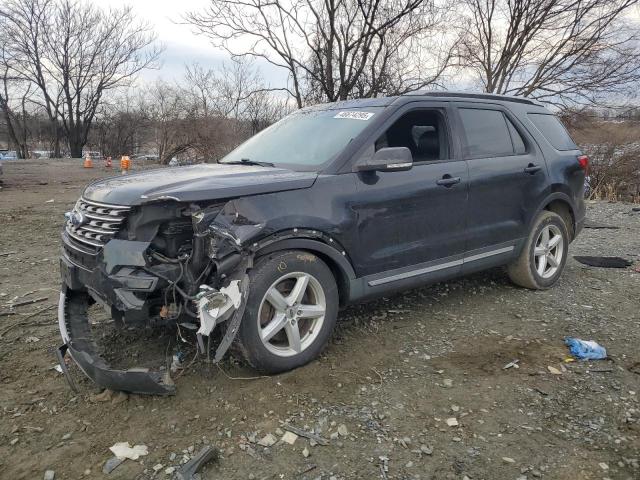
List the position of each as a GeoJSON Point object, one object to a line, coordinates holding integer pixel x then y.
{"type": "Point", "coordinates": [182, 46]}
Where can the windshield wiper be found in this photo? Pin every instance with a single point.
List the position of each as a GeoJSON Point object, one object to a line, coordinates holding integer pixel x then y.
{"type": "Point", "coordinates": [247, 161]}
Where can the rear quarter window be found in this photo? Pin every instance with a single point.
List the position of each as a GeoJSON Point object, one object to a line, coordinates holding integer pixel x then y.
{"type": "Point", "coordinates": [553, 130]}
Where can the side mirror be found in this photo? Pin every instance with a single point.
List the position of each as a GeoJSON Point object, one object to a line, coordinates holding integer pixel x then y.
{"type": "Point", "coordinates": [389, 159]}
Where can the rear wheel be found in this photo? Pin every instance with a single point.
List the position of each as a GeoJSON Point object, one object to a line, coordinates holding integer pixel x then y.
{"type": "Point", "coordinates": [291, 311]}
{"type": "Point", "coordinates": [544, 255]}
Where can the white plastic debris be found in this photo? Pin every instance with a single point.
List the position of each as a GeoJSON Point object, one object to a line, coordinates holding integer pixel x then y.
{"type": "Point", "coordinates": [125, 450]}
{"type": "Point", "coordinates": [214, 305]}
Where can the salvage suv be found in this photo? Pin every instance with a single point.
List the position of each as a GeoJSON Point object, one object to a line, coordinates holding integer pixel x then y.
{"type": "Point", "coordinates": [332, 205]}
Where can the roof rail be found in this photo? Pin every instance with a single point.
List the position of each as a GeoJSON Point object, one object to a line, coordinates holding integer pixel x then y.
{"type": "Point", "coordinates": [482, 96]}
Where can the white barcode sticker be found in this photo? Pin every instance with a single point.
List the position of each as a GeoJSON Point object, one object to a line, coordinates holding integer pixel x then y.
{"type": "Point", "coordinates": [355, 115]}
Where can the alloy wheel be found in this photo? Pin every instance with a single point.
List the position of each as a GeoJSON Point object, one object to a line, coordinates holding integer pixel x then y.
{"type": "Point", "coordinates": [548, 251]}
{"type": "Point", "coordinates": [291, 314]}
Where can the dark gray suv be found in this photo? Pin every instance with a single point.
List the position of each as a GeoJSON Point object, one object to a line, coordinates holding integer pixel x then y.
{"type": "Point", "coordinates": [334, 204]}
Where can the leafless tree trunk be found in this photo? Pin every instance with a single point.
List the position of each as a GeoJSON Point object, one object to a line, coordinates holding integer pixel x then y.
{"type": "Point", "coordinates": [332, 49]}
{"type": "Point", "coordinates": [557, 51]}
{"type": "Point", "coordinates": [14, 114]}
{"type": "Point", "coordinates": [75, 52]}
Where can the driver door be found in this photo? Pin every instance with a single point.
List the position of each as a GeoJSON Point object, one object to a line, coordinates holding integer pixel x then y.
{"type": "Point", "coordinates": [411, 224]}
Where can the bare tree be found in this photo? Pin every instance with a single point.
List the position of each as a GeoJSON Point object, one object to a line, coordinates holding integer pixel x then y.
{"type": "Point", "coordinates": [557, 51]}
{"type": "Point", "coordinates": [332, 49]}
{"type": "Point", "coordinates": [167, 110]}
{"type": "Point", "coordinates": [13, 112]}
{"type": "Point", "coordinates": [75, 52]}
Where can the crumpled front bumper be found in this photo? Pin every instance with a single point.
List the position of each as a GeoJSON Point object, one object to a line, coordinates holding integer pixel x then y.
{"type": "Point", "coordinates": [78, 342]}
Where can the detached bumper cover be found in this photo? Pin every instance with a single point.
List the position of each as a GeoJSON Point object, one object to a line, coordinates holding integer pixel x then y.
{"type": "Point", "coordinates": [76, 335]}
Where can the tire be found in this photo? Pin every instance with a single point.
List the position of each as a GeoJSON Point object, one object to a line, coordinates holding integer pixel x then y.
{"type": "Point", "coordinates": [273, 303]}
{"type": "Point", "coordinates": [526, 270]}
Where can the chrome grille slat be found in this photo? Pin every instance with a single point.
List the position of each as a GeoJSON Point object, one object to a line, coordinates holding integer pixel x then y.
{"type": "Point", "coordinates": [102, 222]}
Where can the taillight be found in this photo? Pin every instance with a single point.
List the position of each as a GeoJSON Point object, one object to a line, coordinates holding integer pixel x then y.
{"type": "Point", "coordinates": [583, 161]}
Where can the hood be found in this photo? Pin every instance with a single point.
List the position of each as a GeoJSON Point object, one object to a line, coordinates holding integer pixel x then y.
{"type": "Point", "coordinates": [196, 183]}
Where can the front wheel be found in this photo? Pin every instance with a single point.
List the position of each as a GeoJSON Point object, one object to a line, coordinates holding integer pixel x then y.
{"type": "Point", "coordinates": [291, 311]}
{"type": "Point", "coordinates": [543, 257]}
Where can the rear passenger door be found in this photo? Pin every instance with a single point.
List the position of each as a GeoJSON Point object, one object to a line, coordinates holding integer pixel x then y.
{"type": "Point", "coordinates": [507, 175]}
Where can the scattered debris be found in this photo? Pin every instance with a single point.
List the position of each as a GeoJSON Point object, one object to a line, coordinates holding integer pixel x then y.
{"type": "Point", "coordinates": [342, 430]}
{"type": "Point", "coordinates": [267, 441]}
{"type": "Point", "coordinates": [508, 460]}
{"type": "Point", "coordinates": [513, 364]}
{"type": "Point", "coordinates": [124, 450]}
{"type": "Point", "coordinates": [554, 370]}
{"type": "Point", "coordinates": [305, 452]}
{"type": "Point", "coordinates": [452, 422]}
{"type": "Point", "coordinates": [603, 262]}
{"type": "Point", "coordinates": [302, 433]}
{"type": "Point", "coordinates": [189, 469]}
{"type": "Point", "coordinates": [585, 349]}
{"type": "Point", "coordinates": [289, 437]}
{"type": "Point", "coordinates": [27, 302]}
{"type": "Point", "coordinates": [111, 464]}
{"type": "Point", "coordinates": [50, 200]}
{"type": "Point", "coordinates": [31, 339]}
{"type": "Point", "coordinates": [49, 475]}
{"type": "Point", "coordinates": [598, 225]}
{"type": "Point", "coordinates": [447, 382]}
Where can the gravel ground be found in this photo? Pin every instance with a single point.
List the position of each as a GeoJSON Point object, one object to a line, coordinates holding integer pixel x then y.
{"type": "Point", "coordinates": [411, 386]}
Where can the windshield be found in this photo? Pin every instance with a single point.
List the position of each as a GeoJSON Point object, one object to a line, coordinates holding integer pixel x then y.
{"type": "Point", "coordinates": [305, 140]}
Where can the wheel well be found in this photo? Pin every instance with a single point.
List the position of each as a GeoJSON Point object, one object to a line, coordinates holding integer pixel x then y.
{"type": "Point", "coordinates": [563, 209]}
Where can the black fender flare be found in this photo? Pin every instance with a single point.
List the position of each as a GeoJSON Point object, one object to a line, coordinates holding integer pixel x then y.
{"type": "Point", "coordinates": [563, 197]}
{"type": "Point", "coordinates": [345, 272]}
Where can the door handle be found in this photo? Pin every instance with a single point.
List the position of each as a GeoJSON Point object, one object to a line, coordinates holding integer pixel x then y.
{"type": "Point", "coordinates": [448, 181]}
{"type": "Point", "coordinates": [531, 168]}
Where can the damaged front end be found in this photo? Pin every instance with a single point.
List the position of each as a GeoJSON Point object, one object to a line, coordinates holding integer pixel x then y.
{"type": "Point", "coordinates": [157, 264]}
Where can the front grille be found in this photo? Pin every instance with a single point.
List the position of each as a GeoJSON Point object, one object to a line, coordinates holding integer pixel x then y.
{"type": "Point", "coordinates": [92, 224]}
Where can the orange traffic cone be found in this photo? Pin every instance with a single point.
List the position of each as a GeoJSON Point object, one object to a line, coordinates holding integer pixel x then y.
{"type": "Point", "coordinates": [108, 163]}
{"type": "Point", "coordinates": [87, 162]}
{"type": "Point", "coordinates": [125, 164]}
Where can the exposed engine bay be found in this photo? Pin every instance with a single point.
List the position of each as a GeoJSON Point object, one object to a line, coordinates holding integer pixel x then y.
{"type": "Point", "coordinates": [166, 264]}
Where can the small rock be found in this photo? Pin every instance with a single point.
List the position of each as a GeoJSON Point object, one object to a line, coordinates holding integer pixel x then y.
{"type": "Point", "coordinates": [119, 397]}
{"type": "Point", "coordinates": [111, 464]}
{"type": "Point", "coordinates": [508, 460]}
{"type": "Point", "coordinates": [66, 436]}
{"type": "Point", "coordinates": [87, 472]}
{"type": "Point", "coordinates": [455, 408]}
{"type": "Point", "coordinates": [447, 382]}
{"type": "Point", "coordinates": [14, 441]}
{"type": "Point", "coordinates": [169, 470]}
{"type": "Point", "coordinates": [409, 464]}
{"type": "Point", "coordinates": [427, 450]}
{"type": "Point", "coordinates": [105, 396]}
{"type": "Point", "coordinates": [289, 437]}
{"type": "Point", "coordinates": [333, 436]}
{"type": "Point", "coordinates": [603, 466]}
{"type": "Point", "coordinates": [31, 340]}
{"type": "Point", "coordinates": [452, 422]}
{"type": "Point", "coordinates": [267, 441]}
{"type": "Point", "coordinates": [172, 457]}
{"type": "Point", "coordinates": [342, 430]}
{"type": "Point", "coordinates": [305, 452]}
{"type": "Point", "coordinates": [49, 475]}
{"type": "Point", "coordinates": [554, 370]}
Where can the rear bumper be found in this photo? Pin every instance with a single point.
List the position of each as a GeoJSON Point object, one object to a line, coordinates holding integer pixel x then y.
{"type": "Point", "coordinates": [76, 335]}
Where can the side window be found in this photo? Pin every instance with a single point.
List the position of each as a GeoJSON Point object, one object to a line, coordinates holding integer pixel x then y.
{"type": "Point", "coordinates": [487, 133]}
{"type": "Point", "coordinates": [516, 138]}
{"type": "Point", "coordinates": [553, 131]}
{"type": "Point", "coordinates": [423, 132]}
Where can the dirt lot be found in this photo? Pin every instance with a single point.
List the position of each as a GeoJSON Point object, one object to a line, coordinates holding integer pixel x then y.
{"type": "Point", "coordinates": [395, 372]}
